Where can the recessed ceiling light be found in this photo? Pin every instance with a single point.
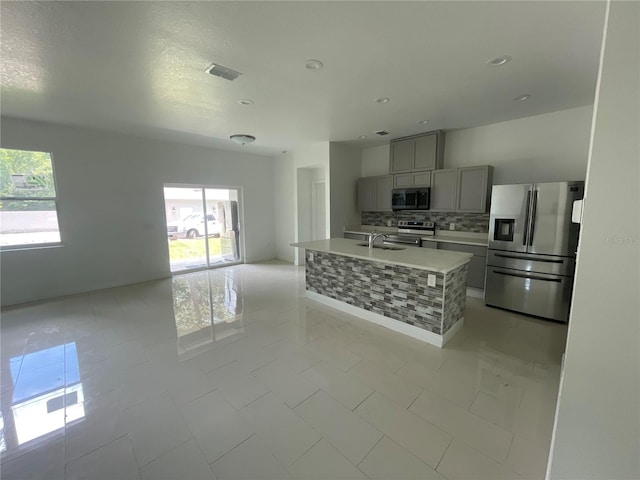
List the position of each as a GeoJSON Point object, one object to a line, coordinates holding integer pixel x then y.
{"type": "Point", "coordinates": [382, 100]}
{"type": "Point", "coordinates": [362, 137]}
{"type": "Point", "coordinates": [382, 133]}
{"type": "Point", "coordinates": [521, 98]}
{"type": "Point", "coordinates": [498, 61]}
{"type": "Point", "coordinates": [423, 122]}
{"type": "Point", "coordinates": [284, 151]}
{"type": "Point", "coordinates": [245, 101]}
{"type": "Point", "coordinates": [242, 138]}
{"type": "Point", "coordinates": [313, 64]}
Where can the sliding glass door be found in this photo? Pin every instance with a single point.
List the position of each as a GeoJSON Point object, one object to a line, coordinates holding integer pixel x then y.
{"type": "Point", "coordinates": [203, 226]}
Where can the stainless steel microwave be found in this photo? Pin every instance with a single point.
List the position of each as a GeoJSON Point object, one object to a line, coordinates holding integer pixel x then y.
{"type": "Point", "coordinates": [410, 198]}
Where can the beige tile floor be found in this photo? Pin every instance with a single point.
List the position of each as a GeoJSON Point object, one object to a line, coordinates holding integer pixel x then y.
{"type": "Point", "coordinates": [233, 374]}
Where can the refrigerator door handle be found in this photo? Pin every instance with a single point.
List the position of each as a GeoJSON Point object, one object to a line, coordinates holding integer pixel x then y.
{"type": "Point", "coordinates": [532, 277]}
{"type": "Point", "coordinates": [534, 207]}
{"type": "Point", "coordinates": [537, 259]}
{"type": "Point", "coordinates": [525, 235]}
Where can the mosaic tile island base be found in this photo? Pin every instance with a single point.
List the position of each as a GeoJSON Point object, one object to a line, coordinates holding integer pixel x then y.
{"type": "Point", "coordinates": [389, 291]}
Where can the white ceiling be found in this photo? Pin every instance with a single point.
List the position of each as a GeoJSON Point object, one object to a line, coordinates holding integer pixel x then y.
{"type": "Point", "coordinates": [139, 67]}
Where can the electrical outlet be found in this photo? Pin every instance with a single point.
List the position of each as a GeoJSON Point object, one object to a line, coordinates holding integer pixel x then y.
{"type": "Point", "coordinates": [311, 257]}
{"type": "Point", "coordinates": [452, 226]}
{"type": "Point", "coordinates": [431, 280]}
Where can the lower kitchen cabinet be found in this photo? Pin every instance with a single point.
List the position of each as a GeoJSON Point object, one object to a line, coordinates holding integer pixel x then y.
{"type": "Point", "coordinates": [477, 264]}
{"type": "Point", "coordinates": [356, 236]}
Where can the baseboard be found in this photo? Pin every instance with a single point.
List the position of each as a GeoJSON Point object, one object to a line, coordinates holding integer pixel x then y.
{"type": "Point", "coordinates": [475, 292]}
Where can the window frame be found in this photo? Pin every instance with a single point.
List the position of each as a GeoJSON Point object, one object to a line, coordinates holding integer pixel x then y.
{"type": "Point", "coordinates": [42, 245]}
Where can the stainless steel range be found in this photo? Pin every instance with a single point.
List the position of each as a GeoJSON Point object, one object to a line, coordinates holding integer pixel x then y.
{"type": "Point", "coordinates": [410, 232]}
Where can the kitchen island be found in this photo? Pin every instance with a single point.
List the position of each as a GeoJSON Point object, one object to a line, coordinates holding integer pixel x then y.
{"type": "Point", "coordinates": [415, 291]}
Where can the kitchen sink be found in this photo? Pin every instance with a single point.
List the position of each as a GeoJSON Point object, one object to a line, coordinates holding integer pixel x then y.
{"type": "Point", "coordinates": [383, 246]}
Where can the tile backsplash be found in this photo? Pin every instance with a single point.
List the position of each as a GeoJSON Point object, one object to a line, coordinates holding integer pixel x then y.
{"type": "Point", "coordinates": [465, 222]}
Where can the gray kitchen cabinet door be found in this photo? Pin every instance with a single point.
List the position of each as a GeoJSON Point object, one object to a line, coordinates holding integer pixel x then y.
{"type": "Point", "coordinates": [366, 194]}
{"type": "Point", "coordinates": [403, 180]}
{"type": "Point", "coordinates": [421, 179]}
{"type": "Point", "coordinates": [426, 152]}
{"type": "Point", "coordinates": [444, 185]}
{"type": "Point", "coordinates": [356, 236]}
{"type": "Point", "coordinates": [476, 272]}
{"type": "Point", "coordinates": [402, 153]}
{"type": "Point", "coordinates": [473, 189]}
{"type": "Point", "coordinates": [383, 188]}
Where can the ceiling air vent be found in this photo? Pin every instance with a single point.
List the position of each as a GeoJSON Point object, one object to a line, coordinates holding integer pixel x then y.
{"type": "Point", "coordinates": [382, 133]}
{"type": "Point", "coordinates": [222, 72]}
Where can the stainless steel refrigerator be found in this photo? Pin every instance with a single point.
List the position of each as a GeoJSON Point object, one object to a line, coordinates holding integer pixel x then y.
{"type": "Point", "coordinates": [532, 248]}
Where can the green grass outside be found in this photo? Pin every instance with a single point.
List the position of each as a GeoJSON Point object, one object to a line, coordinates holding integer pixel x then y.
{"type": "Point", "coordinates": [184, 248]}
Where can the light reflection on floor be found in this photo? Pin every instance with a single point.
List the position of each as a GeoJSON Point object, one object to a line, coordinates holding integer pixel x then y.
{"type": "Point", "coordinates": [233, 373]}
{"type": "Point", "coordinates": [47, 391]}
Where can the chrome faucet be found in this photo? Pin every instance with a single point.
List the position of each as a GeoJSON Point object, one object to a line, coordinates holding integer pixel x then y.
{"type": "Point", "coordinates": [374, 236]}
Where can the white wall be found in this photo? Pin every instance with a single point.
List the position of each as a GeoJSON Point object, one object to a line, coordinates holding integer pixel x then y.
{"type": "Point", "coordinates": [111, 207]}
{"type": "Point", "coordinates": [543, 148]}
{"type": "Point", "coordinates": [285, 212]}
{"type": "Point", "coordinates": [375, 161]}
{"type": "Point", "coordinates": [597, 432]}
{"type": "Point", "coordinates": [345, 163]}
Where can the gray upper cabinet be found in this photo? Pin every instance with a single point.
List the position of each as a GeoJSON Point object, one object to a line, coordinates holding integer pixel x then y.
{"type": "Point", "coordinates": [426, 153]}
{"type": "Point", "coordinates": [374, 193]}
{"type": "Point", "coordinates": [384, 185]}
{"type": "Point", "coordinates": [366, 194]}
{"type": "Point", "coordinates": [444, 186]}
{"type": "Point", "coordinates": [421, 179]}
{"type": "Point", "coordinates": [412, 179]}
{"type": "Point", "coordinates": [473, 189]}
{"type": "Point", "coordinates": [417, 153]}
{"type": "Point", "coordinates": [402, 154]}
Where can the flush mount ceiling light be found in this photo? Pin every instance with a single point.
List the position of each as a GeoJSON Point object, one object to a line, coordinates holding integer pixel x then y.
{"type": "Point", "coordinates": [498, 61]}
{"type": "Point", "coordinates": [245, 101]}
{"type": "Point", "coordinates": [313, 64]}
{"type": "Point", "coordinates": [521, 98]}
{"type": "Point", "coordinates": [242, 138]}
{"type": "Point", "coordinates": [362, 137]}
{"type": "Point", "coordinates": [382, 100]}
{"type": "Point", "coordinates": [423, 122]}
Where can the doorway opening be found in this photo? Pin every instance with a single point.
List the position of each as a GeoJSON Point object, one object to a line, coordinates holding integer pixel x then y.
{"type": "Point", "coordinates": [203, 226]}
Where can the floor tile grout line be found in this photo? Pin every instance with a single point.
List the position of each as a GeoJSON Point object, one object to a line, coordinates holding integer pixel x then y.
{"type": "Point", "coordinates": [444, 453]}
{"type": "Point", "coordinates": [415, 399]}
{"type": "Point", "coordinates": [75, 459]}
{"type": "Point", "coordinates": [233, 448]}
{"type": "Point", "coordinates": [363, 400]}
{"type": "Point", "coordinates": [369, 451]}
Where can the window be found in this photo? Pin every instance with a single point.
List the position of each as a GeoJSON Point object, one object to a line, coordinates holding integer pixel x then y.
{"type": "Point", "coordinates": [28, 213]}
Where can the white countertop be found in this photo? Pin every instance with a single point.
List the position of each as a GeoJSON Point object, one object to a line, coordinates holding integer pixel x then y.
{"type": "Point", "coordinates": [413, 257]}
{"type": "Point", "coordinates": [449, 236]}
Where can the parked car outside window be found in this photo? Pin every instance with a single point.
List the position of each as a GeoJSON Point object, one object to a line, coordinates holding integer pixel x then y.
{"type": "Point", "coordinates": [192, 226]}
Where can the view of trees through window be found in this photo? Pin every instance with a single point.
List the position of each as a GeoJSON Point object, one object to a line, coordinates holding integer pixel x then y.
{"type": "Point", "coordinates": [28, 214]}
